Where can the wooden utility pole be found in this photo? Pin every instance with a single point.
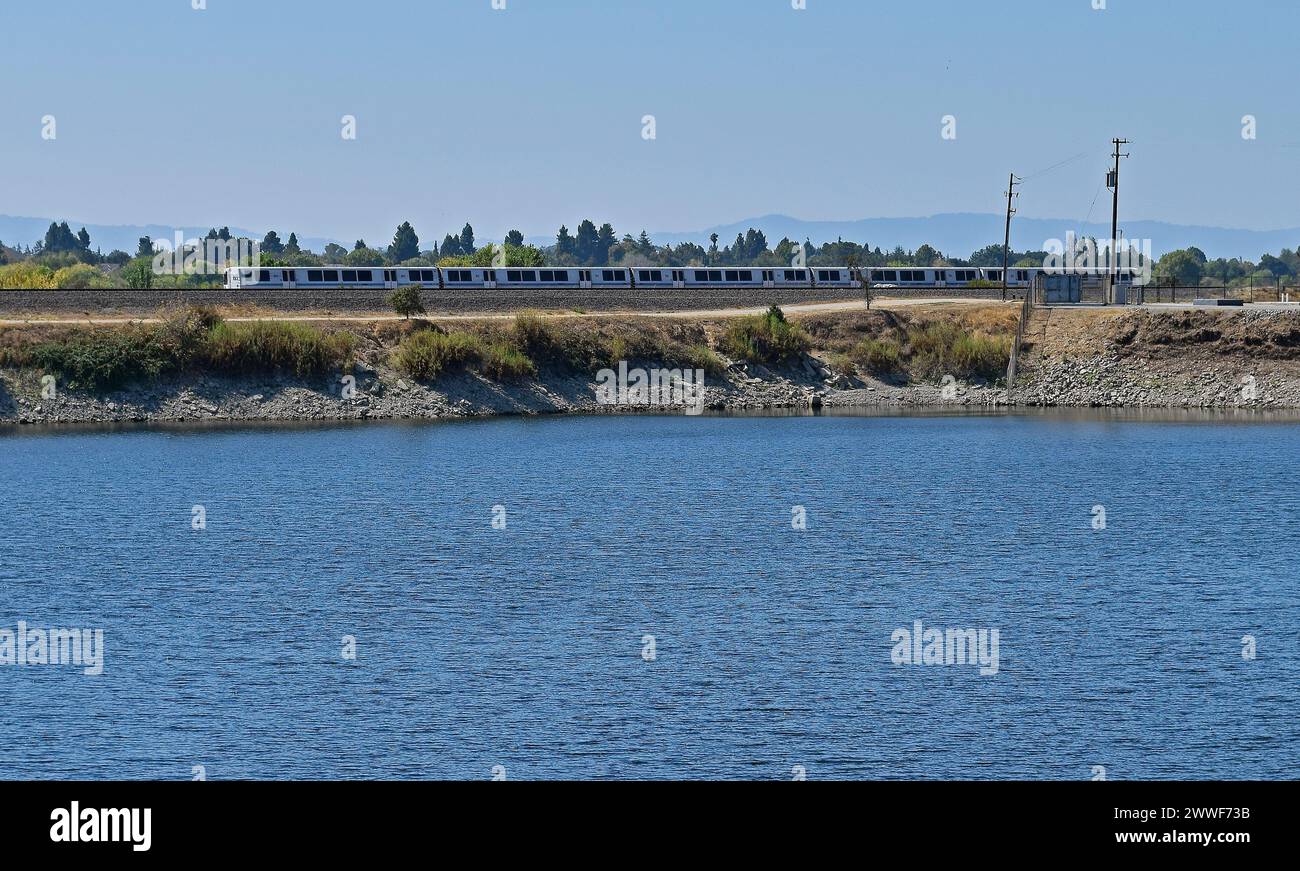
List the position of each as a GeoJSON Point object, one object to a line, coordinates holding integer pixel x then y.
{"type": "Point", "coordinates": [1006, 241]}
{"type": "Point", "coordinates": [1112, 181]}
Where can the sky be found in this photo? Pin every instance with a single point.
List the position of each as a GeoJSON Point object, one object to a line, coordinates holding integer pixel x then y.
{"type": "Point", "coordinates": [531, 116]}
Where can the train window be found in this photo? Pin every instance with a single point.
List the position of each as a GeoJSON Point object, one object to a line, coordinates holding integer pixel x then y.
{"type": "Point", "coordinates": [733, 275]}
{"type": "Point", "coordinates": [365, 275]}
{"type": "Point", "coordinates": [349, 275]}
{"type": "Point", "coordinates": [331, 275]}
{"type": "Point", "coordinates": [746, 275]}
{"type": "Point", "coordinates": [513, 275]}
{"type": "Point", "coordinates": [264, 275]}
{"type": "Point", "coordinates": [607, 275]}
{"type": "Point", "coordinates": [313, 275]}
{"type": "Point", "coordinates": [530, 275]}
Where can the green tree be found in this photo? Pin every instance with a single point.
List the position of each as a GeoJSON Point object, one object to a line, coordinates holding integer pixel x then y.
{"type": "Point", "coordinates": [291, 247]}
{"type": "Point", "coordinates": [450, 247]}
{"type": "Point", "coordinates": [605, 239]}
{"type": "Point", "coordinates": [467, 240]}
{"type": "Point", "coordinates": [406, 245]}
{"type": "Point", "coordinates": [364, 257]}
{"type": "Point", "coordinates": [566, 249]}
{"type": "Point", "coordinates": [514, 239]}
{"type": "Point", "coordinates": [271, 243]}
{"type": "Point", "coordinates": [406, 301]}
{"type": "Point", "coordinates": [585, 245]}
{"type": "Point", "coordinates": [334, 253]}
{"type": "Point", "coordinates": [138, 274]}
{"type": "Point", "coordinates": [1182, 266]}
{"type": "Point", "coordinates": [144, 247]}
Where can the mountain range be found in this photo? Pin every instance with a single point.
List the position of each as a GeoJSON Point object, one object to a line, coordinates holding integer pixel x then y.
{"type": "Point", "coordinates": [956, 234]}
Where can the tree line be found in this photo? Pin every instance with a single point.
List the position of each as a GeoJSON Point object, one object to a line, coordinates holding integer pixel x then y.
{"type": "Point", "coordinates": [70, 255]}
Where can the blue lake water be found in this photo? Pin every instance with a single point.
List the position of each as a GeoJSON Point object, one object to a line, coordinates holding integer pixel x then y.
{"type": "Point", "coordinates": [523, 647]}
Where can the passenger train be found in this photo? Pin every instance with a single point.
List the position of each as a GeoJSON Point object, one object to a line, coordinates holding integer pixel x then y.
{"type": "Point", "coordinates": [453, 278]}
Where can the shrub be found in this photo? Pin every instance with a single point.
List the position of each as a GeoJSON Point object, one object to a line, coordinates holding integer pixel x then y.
{"type": "Point", "coordinates": [544, 340]}
{"type": "Point", "coordinates": [406, 301]}
{"type": "Point", "coordinates": [26, 276]}
{"type": "Point", "coordinates": [104, 359]}
{"type": "Point", "coordinates": [269, 346]}
{"type": "Point", "coordinates": [939, 349]}
{"type": "Point", "coordinates": [80, 276]}
{"type": "Point", "coordinates": [765, 338]}
{"type": "Point", "coordinates": [426, 354]}
{"type": "Point", "coordinates": [877, 356]}
{"type": "Point", "coordinates": [500, 362]}
{"type": "Point", "coordinates": [981, 356]}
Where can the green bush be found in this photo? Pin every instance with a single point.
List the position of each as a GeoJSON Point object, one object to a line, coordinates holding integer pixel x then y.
{"type": "Point", "coordinates": [426, 354]}
{"type": "Point", "coordinates": [939, 349]}
{"type": "Point", "coordinates": [768, 338]}
{"type": "Point", "coordinates": [501, 362]}
{"type": "Point", "coordinates": [406, 301]}
{"type": "Point", "coordinates": [104, 359]}
{"type": "Point", "coordinates": [546, 340]}
{"type": "Point", "coordinates": [877, 356]}
{"type": "Point", "coordinates": [276, 346]}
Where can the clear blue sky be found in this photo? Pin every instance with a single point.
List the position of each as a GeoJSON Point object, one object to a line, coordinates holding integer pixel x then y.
{"type": "Point", "coordinates": [531, 116]}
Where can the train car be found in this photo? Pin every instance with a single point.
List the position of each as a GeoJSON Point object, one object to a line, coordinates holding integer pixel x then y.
{"type": "Point", "coordinates": [285, 278]}
{"type": "Point", "coordinates": [724, 277]}
{"type": "Point", "coordinates": [833, 276]}
{"type": "Point", "coordinates": [454, 277]}
{"type": "Point", "coordinates": [891, 276]}
{"type": "Point", "coordinates": [288, 278]}
{"type": "Point", "coordinates": [1018, 277]}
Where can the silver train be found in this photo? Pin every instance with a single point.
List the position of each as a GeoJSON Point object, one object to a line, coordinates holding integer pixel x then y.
{"type": "Point", "coordinates": [452, 278]}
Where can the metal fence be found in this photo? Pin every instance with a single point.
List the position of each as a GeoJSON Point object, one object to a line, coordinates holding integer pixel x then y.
{"type": "Point", "coordinates": [1159, 290]}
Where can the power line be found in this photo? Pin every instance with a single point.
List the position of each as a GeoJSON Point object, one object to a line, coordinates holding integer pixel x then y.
{"type": "Point", "coordinates": [1080, 155]}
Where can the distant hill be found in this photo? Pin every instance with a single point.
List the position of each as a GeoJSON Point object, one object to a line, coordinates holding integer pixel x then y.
{"type": "Point", "coordinates": [960, 234]}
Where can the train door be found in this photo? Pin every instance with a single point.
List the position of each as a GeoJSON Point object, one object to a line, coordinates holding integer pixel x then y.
{"type": "Point", "coordinates": [287, 278]}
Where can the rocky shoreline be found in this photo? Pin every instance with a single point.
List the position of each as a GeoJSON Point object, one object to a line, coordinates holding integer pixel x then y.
{"type": "Point", "coordinates": [1094, 383]}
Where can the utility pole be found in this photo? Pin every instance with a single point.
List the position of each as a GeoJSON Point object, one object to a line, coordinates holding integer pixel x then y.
{"type": "Point", "coordinates": [1006, 242]}
{"type": "Point", "coordinates": [1112, 182]}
